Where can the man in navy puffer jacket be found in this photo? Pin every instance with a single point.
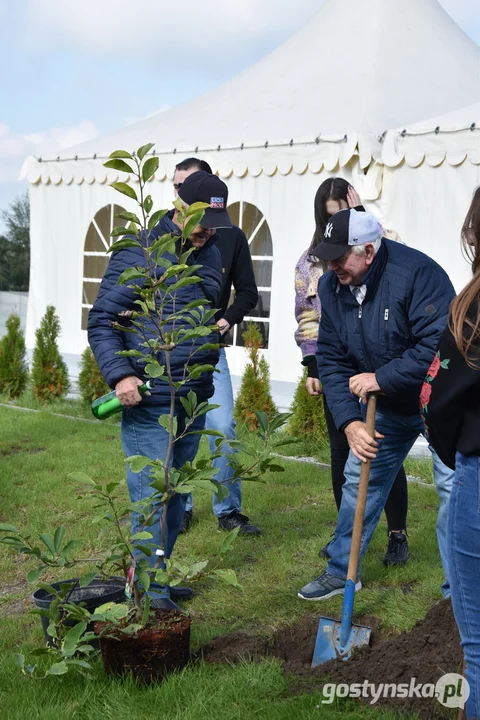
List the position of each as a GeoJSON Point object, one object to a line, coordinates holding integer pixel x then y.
{"type": "Point", "coordinates": [141, 432]}
{"type": "Point", "coordinates": [384, 307]}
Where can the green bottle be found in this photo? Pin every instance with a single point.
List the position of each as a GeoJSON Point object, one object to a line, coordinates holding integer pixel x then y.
{"type": "Point", "coordinates": [107, 405]}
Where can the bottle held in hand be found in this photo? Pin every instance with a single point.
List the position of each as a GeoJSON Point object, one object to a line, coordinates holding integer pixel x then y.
{"type": "Point", "coordinates": [107, 405]}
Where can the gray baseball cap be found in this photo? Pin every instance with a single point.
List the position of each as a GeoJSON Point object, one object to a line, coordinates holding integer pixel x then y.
{"type": "Point", "coordinates": [346, 229]}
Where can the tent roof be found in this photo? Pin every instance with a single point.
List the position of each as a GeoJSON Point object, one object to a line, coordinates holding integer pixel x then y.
{"type": "Point", "coordinates": [357, 68]}
{"type": "Point", "coordinates": [453, 137]}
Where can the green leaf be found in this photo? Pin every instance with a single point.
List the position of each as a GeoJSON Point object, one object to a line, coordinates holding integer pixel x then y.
{"type": "Point", "coordinates": [33, 575]}
{"type": "Point", "coordinates": [126, 215]}
{"type": "Point", "coordinates": [138, 462]}
{"type": "Point", "coordinates": [276, 468]}
{"type": "Point", "coordinates": [59, 668]}
{"type": "Point", "coordinates": [144, 578]}
{"type": "Point", "coordinates": [124, 243]}
{"type": "Point", "coordinates": [125, 189]}
{"type": "Point", "coordinates": [262, 418]}
{"type": "Point", "coordinates": [159, 481]}
{"type": "Point", "coordinates": [154, 369]}
{"type": "Point", "coordinates": [148, 204]}
{"type": "Point", "coordinates": [146, 610]}
{"type": "Point", "coordinates": [8, 528]}
{"type": "Point", "coordinates": [144, 150]}
{"type": "Point", "coordinates": [121, 230]}
{"type": "Point", "coordinates": [80, 663]}
{"type": "Point", "coordinates": [164, 421]}
{"type": "Point", "coordinates": [130, 353]}
{"type": "Point", "coordinates": [58, 537]}
{"type": "Point", "coordinates": [192, 223]}
{"type": "Point", "coordinates": [118, 164]}
{"type": "Point", "coordinates": [195, 208]}
{"type": "Point", "coordinates": [121, 154]}
{"type": "Point", "coordinates": [156, 217]}
{"type": "Point", "coordinates": [132, 273]}
{"type": "Point", "coordinates": [149, 168]}
{"type": "Point", "coordinates": [72, 638]}
{"type": "Point", "coordinates": [48, 542]}
{"type": "Point", "coordinates": [227, 576]}
{"type": "Point", "coordinates": [196, 569]}
{"type": "Point", "coordinates": [71, 545]}
{"type": "Point", "coordinates": [87, 579]}
{"type": "Point", "coordinates": [83, 478]}
{"type": "Point", "coordinates": [229, 540]}
{"type": "Point", "coordinates": [20, 660]}
{"type": "Point", "coordinates": [142, 535]}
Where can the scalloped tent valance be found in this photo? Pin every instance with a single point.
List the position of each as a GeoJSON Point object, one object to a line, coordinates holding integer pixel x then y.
{"type": "Point", "coordinates": [284, 157]}
{"type": "Point", "coordinates": [453, 138]}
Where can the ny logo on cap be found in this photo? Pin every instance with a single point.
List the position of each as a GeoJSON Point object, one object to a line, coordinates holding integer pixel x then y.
{"type": "Point", "coordinates": [328, 230]}
{"type": "Point", "coordinates": [217, 202]}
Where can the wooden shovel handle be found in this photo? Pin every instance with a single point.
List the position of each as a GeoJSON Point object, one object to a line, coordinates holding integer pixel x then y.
{"type": "Point", "coordinates": [362, 495]}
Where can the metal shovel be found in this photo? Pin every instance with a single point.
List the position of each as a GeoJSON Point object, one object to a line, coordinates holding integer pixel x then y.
{"type": "Point", "coordinates": [337, 639]}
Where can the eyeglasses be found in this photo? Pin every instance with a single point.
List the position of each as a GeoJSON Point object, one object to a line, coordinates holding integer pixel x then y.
{"type": "Point", "coordinates": [177, 186]}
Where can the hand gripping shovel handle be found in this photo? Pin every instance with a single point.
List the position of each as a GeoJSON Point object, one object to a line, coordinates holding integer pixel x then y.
{"type": "Point", "coordinates": [347, 609]}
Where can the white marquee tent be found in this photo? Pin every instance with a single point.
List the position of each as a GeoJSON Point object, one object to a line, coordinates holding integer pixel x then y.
{"type": "Point", "coordinates": [318, 105]}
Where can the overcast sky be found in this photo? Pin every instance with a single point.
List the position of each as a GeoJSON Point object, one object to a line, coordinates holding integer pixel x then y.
{"type": "Point", "coordinates": [73, 69]}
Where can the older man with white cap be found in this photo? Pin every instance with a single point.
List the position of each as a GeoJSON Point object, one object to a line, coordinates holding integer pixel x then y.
{"type": "Point", "coordinates": [384, 307]}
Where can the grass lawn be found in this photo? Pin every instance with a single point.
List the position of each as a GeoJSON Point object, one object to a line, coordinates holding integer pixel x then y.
{"type": "Point", "coordinates": [297, 514]}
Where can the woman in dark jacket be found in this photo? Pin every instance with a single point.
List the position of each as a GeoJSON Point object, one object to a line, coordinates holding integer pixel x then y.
{"type": "Point", "coordinates": [333, 195]}
{"type": "Point", "coordinates": [450, 402]}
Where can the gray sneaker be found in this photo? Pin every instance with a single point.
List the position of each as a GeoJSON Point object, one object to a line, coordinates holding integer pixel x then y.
{"type": "Point", "coordinates": [324, 587]}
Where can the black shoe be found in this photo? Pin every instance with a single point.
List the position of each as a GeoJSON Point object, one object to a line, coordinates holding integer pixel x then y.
{"type": "Point", "coordinates": [186, 522]}
{"type": "Point", "coordinates": [162, 603]}
{"type": "Point", "coordinates": [397, 551]}
{"type": "Point", "coordinates": [236, 519]}
{"type": "Point", "coordinates": [178, 592]}
{"type": "Point", "coordinates": [323, 553]}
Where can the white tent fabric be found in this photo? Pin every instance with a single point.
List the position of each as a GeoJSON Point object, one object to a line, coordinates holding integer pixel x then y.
{"type": "Point", "coordinates": [318, 105]}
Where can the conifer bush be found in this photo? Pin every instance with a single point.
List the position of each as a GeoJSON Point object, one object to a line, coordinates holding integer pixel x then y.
{"type": "Point", "coordinates": [255, 393]}
{"type": "Point", "coordinates": [308, 417]}
{"type": "Point", "coordinates": [90, 380]}
{"type": "Point", "coordinates": [49, 372]}
{"type": "Point", "coordinates": [13, 363]}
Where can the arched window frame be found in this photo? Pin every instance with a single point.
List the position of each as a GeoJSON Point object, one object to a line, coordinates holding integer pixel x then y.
{"type": "Point", "coordinates": [106, 240]}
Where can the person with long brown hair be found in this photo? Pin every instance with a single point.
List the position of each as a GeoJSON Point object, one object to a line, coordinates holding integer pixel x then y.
{"type": "Point", "coordinates": [450, 402]}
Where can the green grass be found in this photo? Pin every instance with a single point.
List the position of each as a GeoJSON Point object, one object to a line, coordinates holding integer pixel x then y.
{"type": "Point", "coordinates": [297, 514]}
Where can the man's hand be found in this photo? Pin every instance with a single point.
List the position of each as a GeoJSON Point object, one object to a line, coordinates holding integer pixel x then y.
{"type": "Point", "coordinates": [361, 444]}
{"type": "Point", "coordinates": [223, 326]}
{"type": "Point", "coordinates": [363, 384]}
{"type": "Point", "coordinates": [127, 391]}
{"type": "Point", "coordinates": [314, 386]}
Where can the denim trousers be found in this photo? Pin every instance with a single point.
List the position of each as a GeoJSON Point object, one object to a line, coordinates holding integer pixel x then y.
{"type": "Point", "coordinates": [142, 435]}
{"type": "Point", "coordinates": [463, 536]}
{"type": "Point", "coordinates": [222, 419]}
{"type": "Point", "coordinates": [400, 433]}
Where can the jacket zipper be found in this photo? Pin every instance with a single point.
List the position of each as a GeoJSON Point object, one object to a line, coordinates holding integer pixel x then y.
{"type": "Point", "coordinates": [364, 345]}
{"type": "Point", "coordinates": [385, 317]}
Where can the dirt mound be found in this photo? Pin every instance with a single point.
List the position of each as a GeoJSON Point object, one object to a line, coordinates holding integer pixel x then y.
{"type": "Point", "coordinates": [430, 650]}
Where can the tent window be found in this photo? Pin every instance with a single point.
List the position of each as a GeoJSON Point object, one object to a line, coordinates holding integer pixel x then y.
{"type": "Point", "coordinates": [95, 259]}
{"type": "Point", "coordinates": [253, 223]}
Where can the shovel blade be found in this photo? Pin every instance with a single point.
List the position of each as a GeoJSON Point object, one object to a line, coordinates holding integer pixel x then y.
{"type": "Point", "coordinates": [328, 645]}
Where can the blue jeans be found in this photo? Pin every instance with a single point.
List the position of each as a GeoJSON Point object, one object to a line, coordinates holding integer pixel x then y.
{"type": "Point", "coordinates": [463, 535]}
{"type": "Point", "coordinates": [222, 419]}
{"type": "Point", "coordinates": [142, 435]}
{"type": "Point", "coordinates": [400, 433]}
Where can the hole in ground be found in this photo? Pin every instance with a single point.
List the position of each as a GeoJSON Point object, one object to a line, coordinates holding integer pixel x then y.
{"type": "Point", "coordinates": [429, 651]}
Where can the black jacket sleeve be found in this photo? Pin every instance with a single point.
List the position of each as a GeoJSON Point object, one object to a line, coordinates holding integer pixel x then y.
{"type": "Point", "coordinates": [243, 279]}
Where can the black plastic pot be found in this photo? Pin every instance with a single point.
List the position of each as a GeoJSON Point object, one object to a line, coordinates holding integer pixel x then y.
{"type": "Point", "coordinates": [93, 595]}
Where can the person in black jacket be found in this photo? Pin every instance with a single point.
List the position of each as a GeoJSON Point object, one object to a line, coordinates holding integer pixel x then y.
{"type": "Point", "coordinates": [450, 403]}
{"type": "Point", "coordinates": [237, 270]}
